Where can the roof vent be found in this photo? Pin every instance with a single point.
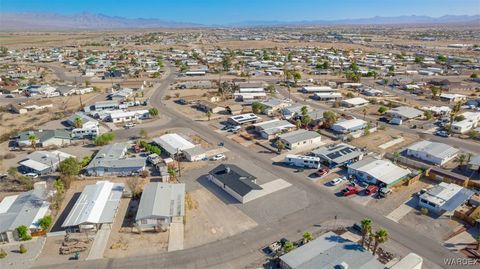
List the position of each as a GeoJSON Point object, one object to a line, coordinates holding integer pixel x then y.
{"type": "Point", "coordinates": [227, 170]}
{"type": "Point", "coordinates": [343, 265]}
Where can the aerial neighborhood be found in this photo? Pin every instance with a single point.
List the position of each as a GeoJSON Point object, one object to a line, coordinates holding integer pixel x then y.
{"type": "Point", "coordinates": [312, 148]}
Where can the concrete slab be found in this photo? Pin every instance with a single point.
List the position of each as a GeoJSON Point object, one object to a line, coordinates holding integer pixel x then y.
{"type": "Point", "coordinates": [400, 212]}
{"type": "Point", "coordinates": [99, 244]}
{"type": "Point", "coordinates": [176, 234]}
{"type": "Point", "coordinates": [461, 240]}
{"type": "Point", "coordinates": [271, 187]}
{"type": "Point", "coordinates": [362, 199]}
{"type": "Point", "coordinates": [391, 143]}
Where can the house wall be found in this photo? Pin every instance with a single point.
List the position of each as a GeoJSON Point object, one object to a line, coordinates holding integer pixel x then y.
{"type": "Point", "coordinates": [153, 222]}
{"type": "Point", "coordinates": [303, 143]}
{"type": "Point", "coordinates": [227, 189]}
{"type": "Point", "coordinates": [55, 142]}
{"type": "Point", "coordinates": [99, 171]}
{"type": "Point", "coordinates": [430, 206]}
{"type": "Point", "coordinates": [195, 158]}
{"type": "Point", "coordinates": [429, 158]}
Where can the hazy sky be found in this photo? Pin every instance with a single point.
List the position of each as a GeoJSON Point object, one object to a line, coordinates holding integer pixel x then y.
{"type": "Point", "coordinates": [228, 11]}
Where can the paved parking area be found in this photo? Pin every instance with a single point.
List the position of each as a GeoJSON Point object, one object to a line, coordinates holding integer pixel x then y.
{"type": "Point", "coordinates": [271, 187]}
{"type": "Point", "coordinates": [400, 212]}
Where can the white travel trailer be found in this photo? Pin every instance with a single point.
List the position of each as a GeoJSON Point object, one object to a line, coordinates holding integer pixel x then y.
{"type": "Point", "coordinates": [303, 161]}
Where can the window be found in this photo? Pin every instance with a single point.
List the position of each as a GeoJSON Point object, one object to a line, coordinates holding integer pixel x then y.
{"type": "Point", "coordinates": [143, 221]}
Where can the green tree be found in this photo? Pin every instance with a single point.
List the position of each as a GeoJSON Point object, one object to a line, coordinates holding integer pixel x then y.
{"type": "Point", "coordinates": [461, 159]}
{"type": "Point", "coordinates": [435, 91]}
{"type": "Point", "coordinates": [23, 233]}
{"type": "Point", "coordinates": [350, 95]}
{"type": "Point", "coordinates": [172, 172]}
{"type": "Point", "coordinates": [381, 110]}
{"type": "Point", "coordinates": [208, 114]}
{"type": "Point", "coordinates": [288, 246]}
{"type": "Point", "coordinates": [280, 145]}
{"type": "Point", "coordinates": [307, 237]}
{"type": "Point", "coordinates": [474, 75]}
{"type": "Point", "coordinates": [78, 122]}
{"type": "Point", "coordinates": [226, 63]}
{"type": "Point", "coordinates": [456, 108]}
{"type": "Point", "coordinates": [304, 111]}
{"type": "Point", "coordinates": [153, 112]}
{"type": "Point", "coordinates": [296, 77]}
{"type": "Point", "coordinates": [69, 167]}
{"type": "Point", "coordinates": [329, 118]}
{"type": "Point", "coordinates": [442, 58]}
{"type": "Point", "coordinates": [58, 185]}
{"type": "Point", "coordinates": [459, 118]}
{"type": "Point", "coordinates": [381, 236]}
{"type": "Point", "coordinates": [419, 59]}
{"type": "Point", "coordinates": [396, 156]}
{"type": "Point", "coordinates": [270, 89]}
{"type": "Point", "coordinates": [306, 120]}
{"type": "Point", "coordinates": [104, 139]}
{"type": "Point", "coordinates": [366, 225]}
{"type": "Point", "coordinates": [257, 107]}
{"type": "Point", "coordinates": [428, 114]}
{"type": "Point", "coordinates": [45, 222]}
{"type": "Point", "coordinates": [33, 140]}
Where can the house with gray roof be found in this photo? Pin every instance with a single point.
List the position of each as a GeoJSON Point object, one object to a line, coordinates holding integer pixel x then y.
{"type": "Point", "coordinates": [444, 198]}
{"type": "Point", "coordinates": [42, 162]}
{"type": "Point", "coordinates": [474, 163]}
{"type": "Point", "coordinates": [160, 203]}
{"type": "Point", "coordinates": [404, 113]}
{"type": "Point", "coordinates": [45, 138]}
{"type": "Point", "coordinates": [269, 129]}
{"type": "Point", "coordinates": [330, 251]}
{"type": "Point", "coordinates": [235, 181]}
{"type": "Point", "coordinates": [338, 155]}
{"type": "Point", "coordinates": [112, 160]}
{"type": "Point", "coordinates": [96, 206]}
{"type": "Point", "coordinates": [23, 209]}
{"type": "Point", "coordinates": [300, 138]}
{"type": "Point", "coordinates": [432, 152]}
{"type": "Point", "coordinates": [378, 172]}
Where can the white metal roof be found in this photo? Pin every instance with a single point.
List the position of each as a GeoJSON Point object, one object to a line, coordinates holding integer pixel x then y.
{"type": "Point", "coordinates": [356, 101]}
{"type": "Point", "coordinates": [97, 204]}
{"type": "Point", "coordinates": [173, 143]}
{"type": "Point", "coordinates": [382, 170]}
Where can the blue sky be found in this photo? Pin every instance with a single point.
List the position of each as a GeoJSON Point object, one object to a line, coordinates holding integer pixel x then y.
{"type": "Point", "coordinates": [229, 11]}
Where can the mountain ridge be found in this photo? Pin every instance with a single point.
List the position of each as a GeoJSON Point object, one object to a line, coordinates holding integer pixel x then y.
{"type": "Point", "coordinates": [97, 21]}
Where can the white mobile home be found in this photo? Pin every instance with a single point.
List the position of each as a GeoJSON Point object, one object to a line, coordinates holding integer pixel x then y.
{"type": "Point", "coordinates": [302, 161]}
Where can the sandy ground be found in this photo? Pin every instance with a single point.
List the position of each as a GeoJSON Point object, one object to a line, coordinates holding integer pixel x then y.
{"type": "Point", "coordinates": [213, 220]}
{"type": "Point", "coordinates": [375, 139]}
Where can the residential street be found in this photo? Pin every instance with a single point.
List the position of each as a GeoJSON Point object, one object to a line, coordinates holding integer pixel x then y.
{"type": "Point", "coordinates": [243, 248]}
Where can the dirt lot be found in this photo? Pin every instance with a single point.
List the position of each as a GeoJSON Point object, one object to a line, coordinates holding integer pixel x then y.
{"type": "Point", "coordinates": [213, 219]}
{"type": "Point", "coordinates": [125, 241]}
{"type": "Point", "coordinates": [375, 139]}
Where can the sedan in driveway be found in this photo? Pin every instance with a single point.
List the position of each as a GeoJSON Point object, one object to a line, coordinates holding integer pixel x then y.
{"type": "Point", "coordinates": [219, 157]}
{"type": "Point", "coordinates": [336, 181]}
{"type": "Point", "coordinates": [442, 133]}
{"type": "Point", "coordinates": [350, 190]}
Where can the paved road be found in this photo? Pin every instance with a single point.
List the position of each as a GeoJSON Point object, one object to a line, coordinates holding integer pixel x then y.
{"type": "Point", "coordinates": [240, 250]}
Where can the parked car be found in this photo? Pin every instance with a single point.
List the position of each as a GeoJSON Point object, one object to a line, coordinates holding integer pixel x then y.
{"type": "Point", "coordinates": [350, 190]}
{"type": "Point", "coordinates": [442, 133]}
{"type": "Point", "coordinates": [321, 172]}
{"type": "Point", "coordinates": [384, 192]}
{"type": "Point", "coordinates": [372, 189]}
{"type": "Point", "coordinates": [129, 125]}
{"type": "Point", "coordinates": [32, 175]}
{"type": "Point", "coordinates": [234, 128]}
{"type": "Point", "coordinates": [219, 157]}
{"type": "Point", "coordinates": [336, 181]}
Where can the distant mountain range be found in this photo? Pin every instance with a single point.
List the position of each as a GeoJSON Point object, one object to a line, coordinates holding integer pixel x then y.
{"type": "Point", "coordinates": [89, 21]}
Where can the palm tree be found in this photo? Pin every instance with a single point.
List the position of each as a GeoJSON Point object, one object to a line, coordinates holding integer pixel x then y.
{"type": "Point", "coordinates": [364, 110]}
{"type": "Point", "coordinates": [33, 140]}
{"type": "Point", "coordinates": [381, 236]}
{"type": "Point", "coordinates": [280, 146]}
{"type": "Point", "coordinates": [456, 108]}
{"type": "Point", "coordinates": [304, 110]}
{"type": "Point", "coordinates": [366, 225]}
{"type": "Point", "coordinates": [461, 159]}
{"type": "Point", "coordinates": [78, 123]}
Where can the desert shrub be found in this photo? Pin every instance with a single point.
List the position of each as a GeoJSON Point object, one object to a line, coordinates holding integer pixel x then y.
{"type": "Point", "coordinates": [23, 234]}
{"type": "Point", "coordinates": [3, 254]}
{"type": "Point", "coordinates": [22, 249]}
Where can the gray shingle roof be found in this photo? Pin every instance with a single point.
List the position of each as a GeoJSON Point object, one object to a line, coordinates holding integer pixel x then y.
{"type": "Point", "coordinates": [235, 178]}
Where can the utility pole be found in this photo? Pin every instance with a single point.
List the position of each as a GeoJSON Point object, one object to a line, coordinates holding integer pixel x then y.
{"type": "Point", "coordinates": [178, 163]}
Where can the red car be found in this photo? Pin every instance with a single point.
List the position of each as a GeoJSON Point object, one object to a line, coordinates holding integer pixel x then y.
{"type": "Point", "coordinates": [371, 190]}
{"type": "Point", "coordinates": [350, 190]}
{"type": "Point", "coordinates": [323, 171]}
